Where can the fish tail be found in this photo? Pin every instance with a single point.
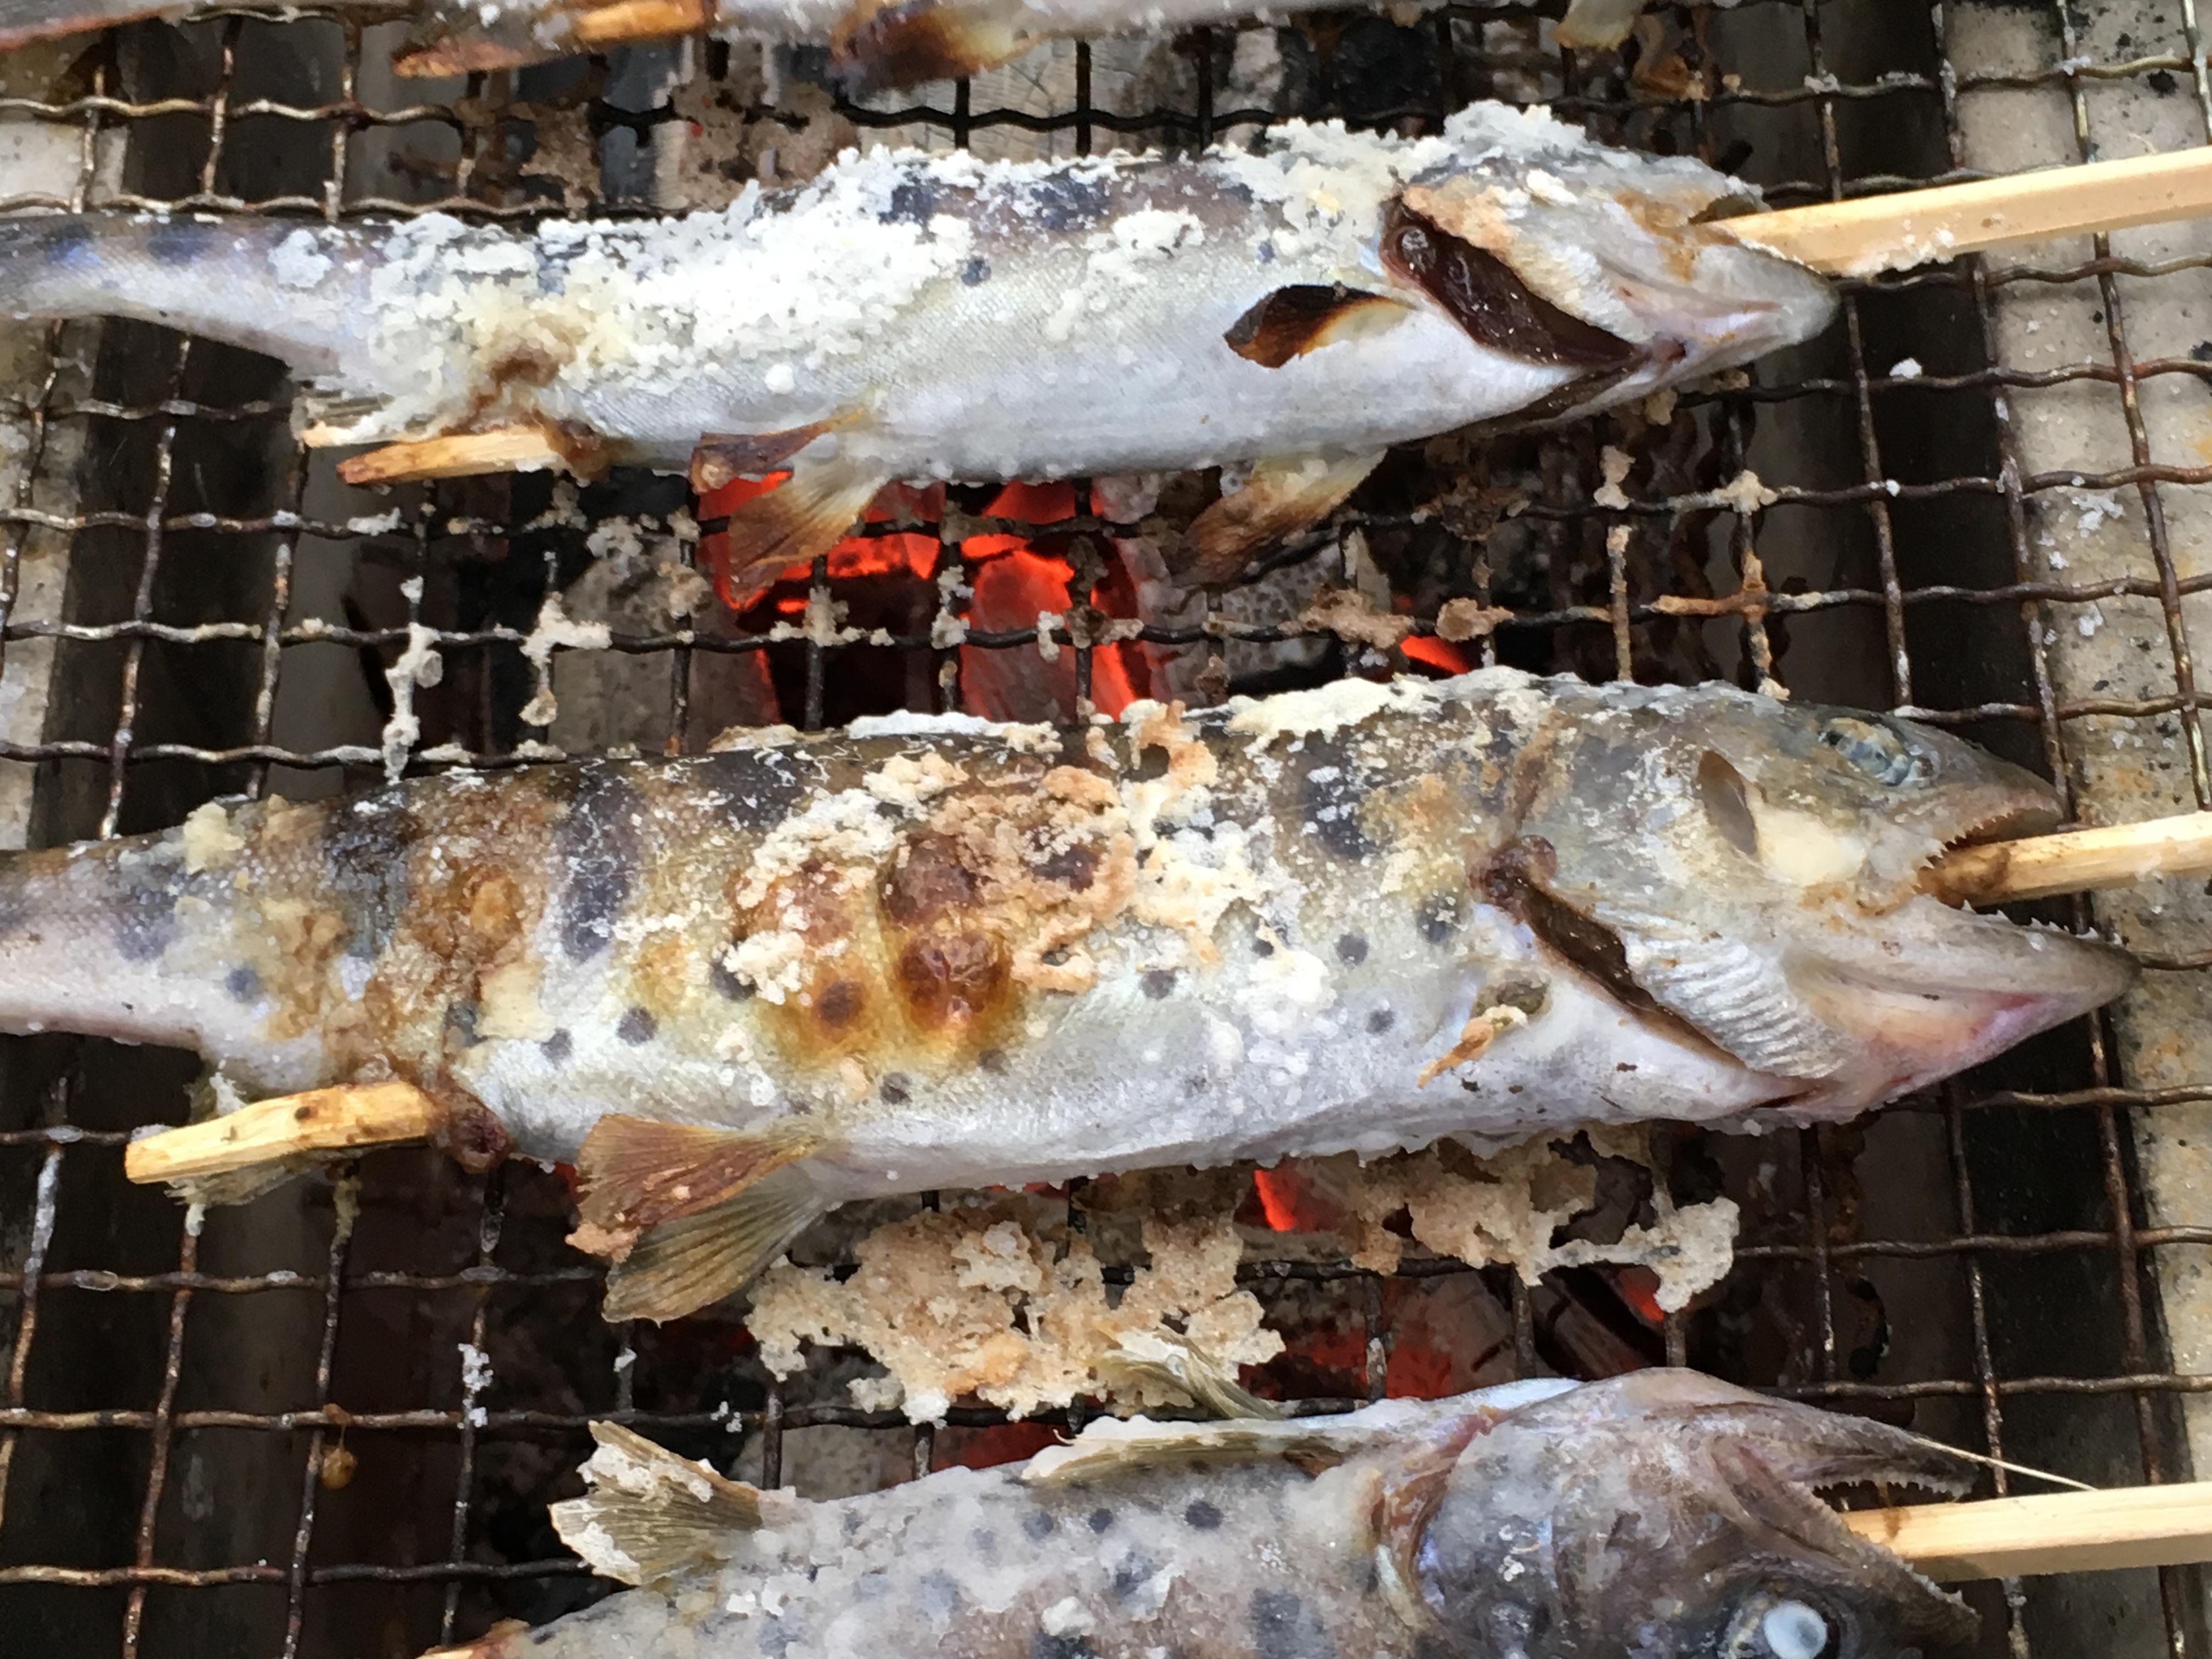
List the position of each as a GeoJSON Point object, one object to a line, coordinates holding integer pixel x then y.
{"type": "Point", "coordinates": [290, 290]}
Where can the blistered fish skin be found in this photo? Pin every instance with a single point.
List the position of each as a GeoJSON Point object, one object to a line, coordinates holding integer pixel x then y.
{"type": "Point", "coordinates": [911, 317]}
{"type": "Point", "coordinates": [933, 952]}
{"type": "Point", "coordinates": [1662, 1515]}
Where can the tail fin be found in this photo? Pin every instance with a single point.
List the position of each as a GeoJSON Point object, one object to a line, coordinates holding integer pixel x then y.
{"type": "Point", "coordinates": [295, 291]}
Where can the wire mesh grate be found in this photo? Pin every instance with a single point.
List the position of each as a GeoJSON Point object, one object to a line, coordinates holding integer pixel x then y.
{"type": "Point", "coordinates": [327, 1422]}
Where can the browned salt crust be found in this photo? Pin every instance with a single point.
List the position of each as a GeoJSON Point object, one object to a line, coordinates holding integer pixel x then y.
{"type": "Point", "coordinates": [997, 1299]}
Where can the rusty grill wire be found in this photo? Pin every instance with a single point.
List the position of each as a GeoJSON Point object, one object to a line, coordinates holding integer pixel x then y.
{"type": "Point", "coordinates": [476, 1252]}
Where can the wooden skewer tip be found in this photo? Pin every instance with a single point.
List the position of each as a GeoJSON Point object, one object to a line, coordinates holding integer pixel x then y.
{"type": "Point", "coordinates": [335, 1120]}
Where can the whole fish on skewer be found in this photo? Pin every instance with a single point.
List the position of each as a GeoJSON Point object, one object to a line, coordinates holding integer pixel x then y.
{"type": "Point", "coordinates": [740, 989]}
{"type": "Point", "coordinates": [874, 44]}
{"type": "Point", "coordinates": [1285, 315]}
{"type": "Point", "coordinates": [1661, 1515]}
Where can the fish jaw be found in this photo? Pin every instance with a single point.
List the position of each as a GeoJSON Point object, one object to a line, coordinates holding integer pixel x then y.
{"type": "Point", "coordinates": [1684, 1509]}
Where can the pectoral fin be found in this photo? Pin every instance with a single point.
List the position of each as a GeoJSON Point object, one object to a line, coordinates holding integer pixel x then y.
{"type": "Point", "coordinates": [1289, 322]}
{"type": "Point", "coordinates": [649, 1515]}
{"type": "Point", "coordinates": [805, 516]}
{"type": "Point", "coordinates": [881, 44]}
{"type": "Point", "coordinates": [1283, 495]}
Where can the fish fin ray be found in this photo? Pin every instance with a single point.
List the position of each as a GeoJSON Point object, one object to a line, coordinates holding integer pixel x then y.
{"type": "Point", "coordinates": [1731, 994]}
{"type": "Point", "coordinates": [648, 1515]}
{"type": "Point", "coordinates": [881, 44]}
{"type": "Point", "coordinates": [1138, 1442]}
{"type": "Point", "coordinates": [1289, 322]}
{"type": "Point", "coordinates": [682, 1265]}
{"type": "Point", "coordinates": [1166, 1360]}
{"type": "Point", "coordinates": [808, 514]}
{"type": "Point", "coordinates": [635, 1173]}
{"type": "Point", "coordinates": [1284, 494]}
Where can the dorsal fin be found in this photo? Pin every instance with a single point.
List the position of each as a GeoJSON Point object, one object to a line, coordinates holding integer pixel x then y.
{"type": "Point", "coordinates": [650, 1514]}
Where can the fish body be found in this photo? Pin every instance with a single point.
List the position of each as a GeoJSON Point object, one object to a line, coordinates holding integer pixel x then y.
{"type": "Point", "coordinates": [935, 952]}
{"type": "Point", "coordinates": [1661, 1513]}
{"type": "Point", "coordinates": [1287, 315]}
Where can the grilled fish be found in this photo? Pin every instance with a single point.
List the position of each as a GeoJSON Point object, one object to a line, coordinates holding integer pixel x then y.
{"type": "Point", "coordinates": [874, 44]}
{"type": "Point", "coordinates": [1285, 315]}
{"type": "Point", "coordinates": [1663, 1514]}
{"type": "Point", "coordinates": [741, 989]}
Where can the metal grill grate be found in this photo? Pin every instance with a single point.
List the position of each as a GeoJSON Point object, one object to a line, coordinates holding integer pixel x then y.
{"type": "Point", "coordinates": [183, 1403]}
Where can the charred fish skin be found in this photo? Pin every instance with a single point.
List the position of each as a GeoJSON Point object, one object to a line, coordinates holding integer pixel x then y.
{"type": "Point", "coordinates": [1661, 1513]}
{"type": "Point", "coordinates": [746, 987]}
{"type": "Point", "coordinates": [1298, 310]}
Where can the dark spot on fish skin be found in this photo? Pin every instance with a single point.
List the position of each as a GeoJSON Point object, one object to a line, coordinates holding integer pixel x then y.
{"type": "Point", "coordinates": [62, 241]}
{"type": "Point", "coordinates": [1352, 948]}
{"type": "Point", "coordinates": [914, 199]}
{"type": "Point", "coordinates": [1201, 1515]}
{"type": "Point", "coordinates": [726, 984]}
{"type": "Point", "coordinates": [461, 1020]}
{"type": "Point", "coordinates": [840, 1002]}
{"type": "Point", "coordinates": [1072, 867]}
{"type": "Point", "coordinates": [637, 1025]}
{"type": "Point", "coordinates": [145, 920]}
{"type": "Point", "coordinates": [1197, 1082]}
{"type": "Point", "coordinates": [1264, 253]}
{"type": "Point", "coordinates": [557, 1047]}
{"type": "Point", "coordinates": [1063, 202]}
{"type": "Point", "coordinates": [1158, 982]}
{"type": "Point", "coordinates": [871, 1586]}
{"type": "Point", "coordinates": [597, 847]}
{"type": "Point", "coordinates": [1101, 1519]}
{"type": "Point", "coordinates": [759, 787]}
{"type": "Point", "coordinates": [894, 1088]}
{"type": "Point", "coordinates": [985, 1543]}
{"type": "Point", "coordinates": [1136, 1570]}
{"type": "Point", "coordinates": [940, 1596]}
{"type": "Point", "coordinates": [1038, 1525]}
{"type": "Point", "coordinates": [1330, 805]}
{"type": "Point", "coordinates": [975, 272]}
{"type": "Point", "coordinates": [775, 1636]}
{"type": "Point", "coordinates": [992, 1061]}
{"type": "Point", "coordinates": [1380, 1020]}
{"type": "Point", "coordinates": [1044, 1646]}
{"type": "Point", "coordinates": [1284, 1627]}
{"type": "Point", "coordinates": [1262, 946]}
{"type": "Point", "coordinates": [1438, 917]}
{"type": "Point", "coordinates": [242, 983]}
{"type": "Point", "coordinates": [177, 241]}
{"type": "Point", "coordinates": [365, 870]}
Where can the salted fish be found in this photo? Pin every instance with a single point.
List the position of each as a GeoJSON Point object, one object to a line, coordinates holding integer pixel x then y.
{"type": "Point", "coordinates": [1662, 1515]}
{"type": "Point", "coordinates": [1285, 315]}
{"type": "Point", "coordinates": [741, 989]}
{"type": "Point", "coordinates": [874, 44]}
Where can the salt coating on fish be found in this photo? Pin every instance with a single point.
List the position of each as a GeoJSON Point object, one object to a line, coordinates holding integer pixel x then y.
{"type": "Point", "coordinates": [1661, 1514]}
{"type": "Point", "coordinates": [738, 989]}
{"type": "Point", "coordinates": [1286, 313]}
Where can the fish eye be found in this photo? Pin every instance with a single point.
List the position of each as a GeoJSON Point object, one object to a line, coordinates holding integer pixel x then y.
{"type": "Point", "coordinates": [1877, 750]}
{"type": "Point", "coordinates": [1791, 1630]}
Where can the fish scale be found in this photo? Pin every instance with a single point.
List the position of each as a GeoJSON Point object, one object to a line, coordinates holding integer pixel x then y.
{"type": "Point", "coordinates": [738, 989]}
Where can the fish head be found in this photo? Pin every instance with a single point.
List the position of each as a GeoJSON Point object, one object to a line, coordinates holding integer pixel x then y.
{"type": "Point", "coordinates": [1751, 869]}
{"type": "Point", "coordinates": [1549, 247]}
{"type": "Point", "coordinates": [1669, 1516]}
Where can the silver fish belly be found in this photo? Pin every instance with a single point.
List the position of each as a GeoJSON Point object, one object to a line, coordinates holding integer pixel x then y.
{"type": "Point", "coordinates": [911, 317]}
{"type": "Point", "coordinates": [1663, 1514]}
{"type": "Point", "coordinates": [740, 989]}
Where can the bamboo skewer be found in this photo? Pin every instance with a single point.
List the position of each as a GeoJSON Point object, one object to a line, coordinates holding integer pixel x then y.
{"type": "Point", "coordinates": [1913, 226]}
{"type": "Point", "coordinates": [2055, 1532]}
{"type": "Point", "coordinates": [2078, 861]}
{"type": "Point", "coordinates": [339, 1120]}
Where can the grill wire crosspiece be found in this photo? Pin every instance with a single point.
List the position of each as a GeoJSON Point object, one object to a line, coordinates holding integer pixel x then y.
{"type": "Point", "coordinates": [327, 1422]}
